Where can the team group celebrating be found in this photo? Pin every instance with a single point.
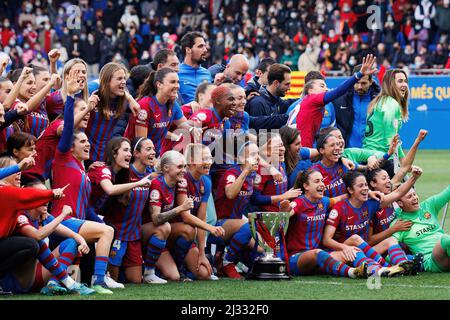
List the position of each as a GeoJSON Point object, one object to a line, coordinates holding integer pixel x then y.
{"type": "Point", "coordinates": [147, 176]}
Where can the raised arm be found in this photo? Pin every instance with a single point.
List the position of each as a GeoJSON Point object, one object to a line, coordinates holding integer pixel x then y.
{"type": "Point", "coordinates": [409, 159]}
{"type": "Point", "coordinates": [366, 69]}
{"type": "Point", "coordinates": [12, 96]}
{"type": "Point", "coordinates": [387, 200]}
{"type": "Point", "coordinates": [36, 100]}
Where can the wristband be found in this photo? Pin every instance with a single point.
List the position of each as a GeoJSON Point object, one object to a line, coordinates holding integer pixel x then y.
{"type": "Point", "coordinates": [386, 156]}
{"type": "Point", "coordinates": [358, 75]}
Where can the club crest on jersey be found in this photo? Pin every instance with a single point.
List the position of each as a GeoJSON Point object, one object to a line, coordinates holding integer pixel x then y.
{"type": "Point", "coordinates": [201, 116]}
{"type": "Point", "coordinates": [231, 179]}
{"type": "Point", "coordinates": [320, 206]}
{"type": "Point", "coordinates": [142, 115]}
{"type": "Point", "coordinates": [333, 214]}
{"type": "Point", "coordinates": [237, 126]}
{"type": "Point", "coordinates": [182, 183]}
{"type": "Point", "coordinates": [427, 215]}
{"type": "Point", "coordinates": [365, 213]}
{"type": "Point", "coordinates": [340, 171]}
{"type": "Point", "coordinates": [154, 195]}
{"type": "Point", "coordinates": [106, 172]}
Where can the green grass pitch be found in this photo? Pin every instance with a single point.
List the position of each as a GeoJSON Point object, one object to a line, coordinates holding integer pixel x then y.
{"type": "Point", "coordinates": [422, 287]}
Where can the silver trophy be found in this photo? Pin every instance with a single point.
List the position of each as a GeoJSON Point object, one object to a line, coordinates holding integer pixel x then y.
{"type": "Point", "coordinates": [266, 228]}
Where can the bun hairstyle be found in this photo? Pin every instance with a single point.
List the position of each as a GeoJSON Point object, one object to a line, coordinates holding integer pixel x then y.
{"type": "Point", "coordinates": [302, 178]}
{"type": "Point", "coordinates": [168, 158]}
{"type": "Point", "coordinates": [149, 87]}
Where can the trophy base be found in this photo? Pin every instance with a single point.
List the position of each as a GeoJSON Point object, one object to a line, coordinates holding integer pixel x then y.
{"type": "Point", "coordinates": [268, 269]}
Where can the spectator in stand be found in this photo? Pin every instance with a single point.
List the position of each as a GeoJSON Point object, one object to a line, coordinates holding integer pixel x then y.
{"type": "Point", "coordinates": [418, 36]}
{"type": "Point", "coordinates": [438, 59]}
{"type": "Point", "coordinates": [191, 72]}
{"type": "Point", "coordinates": [289, 58]}
{"type": "Point", "coordinates": [309, 60]}
{"type": "Point", "coordinates": [107, 47]}
{"type": "Point", "coordinates": [406, 58]}
{"type": "Point", "coordinates": [424, 14]}
{"type": "Point", "coordinates": [90, 50]}
{"type": "Point", "coordinates": [442, 18]}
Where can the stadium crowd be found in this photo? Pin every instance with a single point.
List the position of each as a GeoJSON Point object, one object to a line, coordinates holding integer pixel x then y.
{"type": "Point", "coordinates": [304, 35]}
{"type": "Point", "coordinates": [125, 160]}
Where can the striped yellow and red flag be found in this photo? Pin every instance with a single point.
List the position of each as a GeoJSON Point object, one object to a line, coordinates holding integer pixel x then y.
{"type": "Point", "coordinates": [297, 84]}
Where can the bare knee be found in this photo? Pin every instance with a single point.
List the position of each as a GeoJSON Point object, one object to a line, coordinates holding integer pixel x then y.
{"type": "Point", "coordinates": [108, 232]}
{"type": "Point", "coordinates": [354, 240]}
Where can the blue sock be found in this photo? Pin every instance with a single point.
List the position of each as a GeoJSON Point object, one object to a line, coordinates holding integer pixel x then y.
{"type": "Point", "coordinates": [48, 260]}
{"type": "Point", "coordinates": [180, 251]}
{"type": "Point", "coordinates": [396, 254]}
{"type": "Point", "coordinates": [67, 251]}
{"type": "Point", "coordinates": [372, 254]}
{"type": "Point", "coordinates": [239, 240]}
{"type": "Point", "coordinates": [372, 265]}
{"type": "Point", "coordinates": [155, 247]}
{"type": "Point", "coordinates": [101, 263]}
{"type": "Point", "coordinates": [410, 257]}
{"type": "Point", "coordinates": [332, 266]}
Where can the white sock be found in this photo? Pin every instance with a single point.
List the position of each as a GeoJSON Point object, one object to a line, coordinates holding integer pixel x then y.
{"type": "Point", "coordinates": [351, 273]}
{"type": "Point", "coordinates": [68, 282]}
{"type": "Point", "coordinates": [149, 272]}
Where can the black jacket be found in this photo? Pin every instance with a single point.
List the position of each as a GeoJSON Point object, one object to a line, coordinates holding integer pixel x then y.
{"type": "Point", "coordinates": [269, 109]}
{"type": "Point", "coordinates": [345, 116]}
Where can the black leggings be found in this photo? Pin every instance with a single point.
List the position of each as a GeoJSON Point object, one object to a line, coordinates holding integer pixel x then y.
{"type": "Point", "coordinates": [15, 251]}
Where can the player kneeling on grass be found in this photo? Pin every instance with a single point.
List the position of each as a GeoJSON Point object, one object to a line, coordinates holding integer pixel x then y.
{"type": "Point", "coordinates": [233, 195]}
{"type": "Point", "coordinates": [304, 235]}
{"type": "Point", "coordinates": [171, 168]}
{"type": "Point", "coordinates": [127, 167]}
{"type": "Point", "coordinates": [52, 267]}
{"type": "Point", "coordinates": [347, 227]}
{"type": "Point", "coordinates": [191, 225]}
{"type": "Point", "coordinates": [426, 236]}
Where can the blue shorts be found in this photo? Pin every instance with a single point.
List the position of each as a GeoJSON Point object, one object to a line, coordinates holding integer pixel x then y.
{"type": "Point", "coordinates": [73, 224]}
{"type": "Point", "coordinates": [126, 253]}
{"type": "Point", "coordinates": [10, 283]}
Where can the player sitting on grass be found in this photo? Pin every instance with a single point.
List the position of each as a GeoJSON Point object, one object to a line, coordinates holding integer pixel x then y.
{"type": "Point", "coordinates": [347, 227]}
{"type": "Point", "coordinates": [426, 236]}
{"type": "Point", "coordinates": [304, 235]}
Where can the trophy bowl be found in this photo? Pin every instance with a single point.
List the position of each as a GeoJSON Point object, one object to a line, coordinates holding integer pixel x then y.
{"type": "Point", "coordinates": [266, 228]}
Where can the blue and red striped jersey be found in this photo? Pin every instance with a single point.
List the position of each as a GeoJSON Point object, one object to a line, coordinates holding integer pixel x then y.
{"type": "Point", "coordinates": [161, 195]}
{"type": "Point", "coordinates": [67, 169]}
{"type": "Point", "coordinates": [197, 190]}
{"type": "Point", "coordinates": [265, 183]}
{"type": "Point", "coordinates": [349, 220]}
{"type": "Point", "coordinates": [215, 125]}
{"type": "Point", "coordinates": [233, 208]}
{"type": "Point", "coordinates": [38, 120]}
{"type": "Point", "coordinates": [100, 130]}
{"type": "Point", "coordinates": [156, 118]}
{"type": "Point", "coordinates": [306, 226]}
{"type": "Point", "coordinates": [98, 196]}
{"type": "Point", "coordinates": [332, 178]}
{"type": "Point", "coordinates": [54, 104]}
{"type": "Point", "coordinates": [382, 219]}
{"type": "Point", "coordinates": [240, 122]}
{"type": "Point", "coordinates": [45, 147]}
{"type": "Point", "coordinates": [127, 220]}
{"type": "Point", "coordinates": [4, 135]}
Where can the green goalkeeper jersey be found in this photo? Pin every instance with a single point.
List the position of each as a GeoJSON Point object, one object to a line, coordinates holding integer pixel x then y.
{"type": "Point", "coordinates": [382, 125]}
{"type": "Point", "coordinates": [426, 230]}
{"type": "Point", "coordinates": [361, 155]}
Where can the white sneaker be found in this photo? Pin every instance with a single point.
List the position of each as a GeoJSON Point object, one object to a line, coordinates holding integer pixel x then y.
{"type": "Point", "coordinates": [153, 279]}
{"type": "Point", "coordinates": [213, 277]}
{"type": "Point", "coordinates": [111, 283]}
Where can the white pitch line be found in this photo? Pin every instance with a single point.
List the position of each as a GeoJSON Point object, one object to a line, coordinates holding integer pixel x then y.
{"type": "Point", "coordinates": [364, 284]}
